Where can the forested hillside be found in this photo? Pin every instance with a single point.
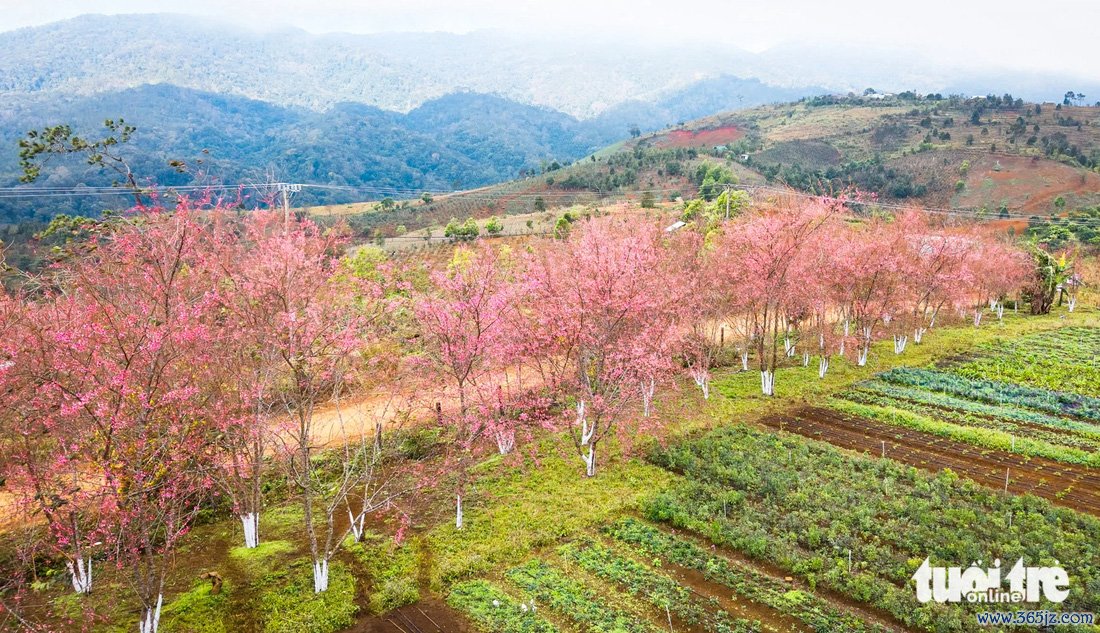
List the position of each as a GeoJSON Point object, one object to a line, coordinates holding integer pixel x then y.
{"type": "Point", "coordinates": [463, 140]}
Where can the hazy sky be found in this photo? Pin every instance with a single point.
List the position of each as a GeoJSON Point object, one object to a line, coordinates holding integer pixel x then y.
{"type": "Point", "coordinates": [1050, 35]}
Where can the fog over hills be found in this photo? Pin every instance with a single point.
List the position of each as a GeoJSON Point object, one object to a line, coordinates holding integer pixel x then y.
{"type": "Point", "coordinates": [581, 76]}
{"type": "Point", "coordinates": [411, 110]}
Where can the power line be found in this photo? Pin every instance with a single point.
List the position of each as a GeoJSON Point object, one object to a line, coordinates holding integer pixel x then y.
{"type": "Point", "coordinates": [490, 194]}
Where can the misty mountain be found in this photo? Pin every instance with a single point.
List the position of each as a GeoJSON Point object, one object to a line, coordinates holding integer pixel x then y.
{"type": "Point", "coordinates": [408, 111]}
{"type": "Point", "coordinates": [398, 72]}
{"type": "Point", "coordinates": [583, 77]}
{"type": "Point", "coordinates": [461, 140]}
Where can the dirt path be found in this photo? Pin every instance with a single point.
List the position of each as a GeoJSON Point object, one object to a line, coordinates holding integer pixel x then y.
{"type": "Point", "coordinates": [429, 615]}
{"type": "Point", "coordinates": [1075, 487]}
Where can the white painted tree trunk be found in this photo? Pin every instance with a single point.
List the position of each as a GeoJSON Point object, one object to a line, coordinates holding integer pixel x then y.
{"type": "Point", "coordinates": [81, 574]}
{"type": "Point", "coordinates": [1001, 311]}
{"type": "Point", "coordinates": [978, 317]}
{"type": "Point", "coordinates": [899, 343]}
{"type": "Point", "coordinates": [150, 617]}
{"type": "Point", "coordinates": [1072, 302]}
{"type": "Point", "coordinates": [842, 345]}
{"type": "Point", "coordinates": [805, 359]}
{"type": "Point", "coordinates": [702, 380]}
{"type": "Point", "coordinates": [745, 360]}
{"type": "Point", "coordinates": [250, 521]}
{"type": "Point", "coordinates": [822, 366]}
{"type": "Point", "coordinates": [357, 524]}
{"type": "Point", "coordinates": [458, 512]}
{"type": "Point", "coordinates": [861, 358]}
{"type": "Point", "coordinates": [506, 441]}
{"type": "Point", "coordinates": [767, 382]}
{"type": "Point", "coordinates": [588, 458]}
{"type": "Point", "coordinates": [320, 576]}
{"type": "Point", "coordinates": [590, 462]}
{"type": "Point", "coordinates": [648, 389]}
{"type": "Point", "coordinates": [918, 334]}
{"type": "Point", "coordinates": [788, 347]}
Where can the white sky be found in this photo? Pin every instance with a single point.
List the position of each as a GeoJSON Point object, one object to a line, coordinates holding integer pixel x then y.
{"type": "Point", "coordinates": [1049, 35]}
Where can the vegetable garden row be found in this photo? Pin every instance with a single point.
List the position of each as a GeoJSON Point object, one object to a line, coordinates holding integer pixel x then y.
{"type": "Point", "coordinates": [1018, 436]}
{"type": "Point", "coordinates": [1065, 360]}
{"type": "Point", "coordinates": [861, 526]}
{"type": "Point", "coordinates": [1073, 486]}
{"type": "Point", "coordinates": [641, 578]}
{"type": "Point", "coordinates": [847, 531]}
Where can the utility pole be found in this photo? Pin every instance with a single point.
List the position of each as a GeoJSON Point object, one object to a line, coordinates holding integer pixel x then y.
{"type": "Point", "coordinates": [728, 190]}
{"type": "Point", "coordinates": [286, 189]}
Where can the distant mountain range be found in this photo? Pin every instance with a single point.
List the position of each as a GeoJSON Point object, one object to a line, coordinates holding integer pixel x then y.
{"type": "Point", "coordinates": [408, 110]}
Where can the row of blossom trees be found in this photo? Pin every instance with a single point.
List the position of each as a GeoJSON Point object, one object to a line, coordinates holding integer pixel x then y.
{"type": "Point", "coordinates": [182, 353]}
{"type": "Point", "coordinates": [174, 359]}
{"type": "Point", "coordinates": [600, 320]}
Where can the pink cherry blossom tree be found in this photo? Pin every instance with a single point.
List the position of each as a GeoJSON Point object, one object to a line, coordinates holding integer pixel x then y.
{"type": "Point", "coordinates": [763, 251]}
{"type": "Point", "coordinates": [465, 317]}
{"type": "Point", "coordinates": [597, 311]}
{"type": "Point", "coordinates": [319, 321]}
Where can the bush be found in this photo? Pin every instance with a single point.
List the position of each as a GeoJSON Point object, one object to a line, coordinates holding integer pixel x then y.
{"type": "Point", "coordinates": [467, 230]}
{"type": "Point", "coordinates": [417, 443]}
{"type": "Point", "coordinates": [494, 226]}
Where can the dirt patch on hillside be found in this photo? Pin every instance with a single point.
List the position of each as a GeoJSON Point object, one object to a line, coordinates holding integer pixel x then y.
{"type": "Point", "coordinates": [1026, 184]}
{"type": "Point", "coordinates": [701, 138]}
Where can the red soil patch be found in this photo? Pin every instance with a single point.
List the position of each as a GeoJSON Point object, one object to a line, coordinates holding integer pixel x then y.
{"type": "Point", "coordinates": [1075, 487]}
{"type": "Point", "coordinates": [1025, 184]}
{"type": "Point", "coordinates": [700, 138]}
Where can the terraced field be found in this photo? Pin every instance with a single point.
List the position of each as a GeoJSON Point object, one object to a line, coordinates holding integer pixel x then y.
{"type": "Point", "coordinates": [860, 526]}
{"type": "Point", "coordinates": [991, 416]}
{"type": "Point", "coordinates": [1066, 360]}
{"type": "Point", "coordinates": [639, 577]}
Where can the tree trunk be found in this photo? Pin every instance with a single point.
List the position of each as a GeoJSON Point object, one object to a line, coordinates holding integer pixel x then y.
{"type": "Point", "coordinates": [590, 461]}
{"type": "Point", "coordinates": [250, 521]}
{"type": "Point", "coordinates": [506, 441]}
{"type": "Point", "coordinates": [81, 574]}
{"type": "Point", "coordinates": [767, 382]}
{"type": "Point", "coordinates": [150, 617]}
{"type": "Point", "coordinates": [320, 576]}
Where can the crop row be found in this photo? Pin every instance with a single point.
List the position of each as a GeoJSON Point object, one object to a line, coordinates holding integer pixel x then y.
{"type": "Point", "coordinates": [568, 596]}
{"type": "Point", "coordinates": [658, 589]}
{"type": "Point", "coordinates": [493, 610]}
{"type": "Point", "coordinates": [965, 428]}
{"type": "Point", "coordinates": [996, 392]}
{"type": "Point", "coordinates": [910, 396]}
{"type": "Point", "coordinates": [806, 506]}
{"type": "Point", "coordinates": [1061, 360]}
{"type": "Point", "coordinates": [743, 580]}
